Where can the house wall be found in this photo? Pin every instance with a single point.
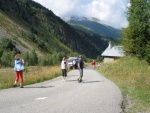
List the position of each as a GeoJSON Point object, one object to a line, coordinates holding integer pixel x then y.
{"type": "Point", "coordinates": [107, 60]}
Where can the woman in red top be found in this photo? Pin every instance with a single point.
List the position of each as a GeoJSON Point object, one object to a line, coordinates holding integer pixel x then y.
{"type": "Point", "coordinates": [93, 64]}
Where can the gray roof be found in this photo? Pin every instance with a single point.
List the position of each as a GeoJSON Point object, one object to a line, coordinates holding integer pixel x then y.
{"type": "Point", "coordinates": [115, 51]}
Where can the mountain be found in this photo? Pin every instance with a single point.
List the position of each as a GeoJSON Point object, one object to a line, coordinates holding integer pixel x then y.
{"type": "Point", "coordinates": [31, 26]}
{"type": "Point", "coordinates": [93, 25]}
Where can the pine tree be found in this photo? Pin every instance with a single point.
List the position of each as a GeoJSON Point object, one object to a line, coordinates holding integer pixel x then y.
{"type": "Point", "coordinates": [137, 35]}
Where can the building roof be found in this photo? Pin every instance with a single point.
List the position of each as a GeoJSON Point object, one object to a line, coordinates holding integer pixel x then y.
{"type": "Point", "coordinates": [115, 51]}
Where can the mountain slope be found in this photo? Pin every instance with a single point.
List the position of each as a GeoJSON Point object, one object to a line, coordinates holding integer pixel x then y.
{"type": "Point", "coordinates": [32, 26]}
{"type": "Point", "coordinates": [94, 26]}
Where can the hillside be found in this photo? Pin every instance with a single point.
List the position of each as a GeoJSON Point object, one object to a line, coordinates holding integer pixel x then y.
{"type": "Point", "coordinates": [94, 26]}
{"type": "Point", "coordinates": [31, 26]}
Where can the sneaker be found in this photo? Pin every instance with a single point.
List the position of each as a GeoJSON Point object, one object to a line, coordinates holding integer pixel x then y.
{"type": "Point", "coordinates": [21, 87]}
{"type": "Point", "coordinates": [14, 85]}
{"type": "Point", "coordinates": [79, 80]}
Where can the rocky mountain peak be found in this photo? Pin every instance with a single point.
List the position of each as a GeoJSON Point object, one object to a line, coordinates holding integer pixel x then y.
{"type": "Point", "coordinates": [77, 18]}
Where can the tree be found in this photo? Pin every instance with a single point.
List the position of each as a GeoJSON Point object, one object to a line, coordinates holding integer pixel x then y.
{"type": "Point", "coordinates": [7, 59]}
{"type": "Point", "coordinates": [26, 57]}
{"type": "Point", "coordinates": [33, 59]}
{"type": "Point", "coordinates": [99, 58]}
{"type": "Point", "coordinates": [6, 44]}
{"type": "Point", "coordinates": [137, 35]}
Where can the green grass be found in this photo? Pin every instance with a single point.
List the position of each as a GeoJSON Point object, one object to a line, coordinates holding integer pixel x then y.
{"type": "Point", "coordinates": [34, 74]}
{"type": "Point", "coordinates": [133, 78]}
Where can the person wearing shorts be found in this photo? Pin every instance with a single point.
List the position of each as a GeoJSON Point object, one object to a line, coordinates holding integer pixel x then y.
{"type": "Point", "coordinates": [80, 67]}
{"type": "Point", "coordinates": [64, 68]}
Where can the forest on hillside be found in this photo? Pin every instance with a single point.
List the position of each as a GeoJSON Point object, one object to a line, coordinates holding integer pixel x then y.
{"type": "Point", "coordinates": [32, 27]}
{"type": "Point", "coordinates": [51, 34]}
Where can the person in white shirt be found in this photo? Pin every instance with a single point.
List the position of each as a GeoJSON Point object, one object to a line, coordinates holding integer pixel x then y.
{"type": "Point", "coordinates": [64, 68]}
{"type": "Point", "coordinates": [73, 64]}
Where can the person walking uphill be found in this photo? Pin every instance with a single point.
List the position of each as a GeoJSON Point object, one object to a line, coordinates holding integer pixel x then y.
{"type": "Point", "coordinates": [64, 68]}
{"type": "Point", "coordinates": [80, 67]}
{"type": "Point", "coordinates": [93, 64]}
{"type": "Point", "coordinates": [19, 67]}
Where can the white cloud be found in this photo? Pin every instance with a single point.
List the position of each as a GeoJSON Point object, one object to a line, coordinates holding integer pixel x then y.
{"type": "Point", "coordinates": [110, 12]}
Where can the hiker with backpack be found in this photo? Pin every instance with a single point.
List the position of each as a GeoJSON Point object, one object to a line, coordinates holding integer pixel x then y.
{"type": "Point", "coordinates": [80, 67]}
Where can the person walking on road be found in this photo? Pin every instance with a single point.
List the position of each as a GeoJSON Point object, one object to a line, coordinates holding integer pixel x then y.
{"type": "Point", "coordinates": [19, 67]}
{"type": "Point", "coordinates": [64, 68]}
{"type": "Point", "coordinates": [93, 64]}
{"type": "Point", "coordinates": [80, 67]}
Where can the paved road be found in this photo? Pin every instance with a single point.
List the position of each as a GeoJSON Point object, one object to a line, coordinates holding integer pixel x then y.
{"type": "Point", "coordinates": [95, 94]}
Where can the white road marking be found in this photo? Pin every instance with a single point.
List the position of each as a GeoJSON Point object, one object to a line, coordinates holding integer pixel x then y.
{"type": "Point", "coordinates": [41, 98]}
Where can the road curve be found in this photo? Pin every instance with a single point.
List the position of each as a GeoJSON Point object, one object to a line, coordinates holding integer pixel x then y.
{"type": "Point", "coordinates": [95, 94]}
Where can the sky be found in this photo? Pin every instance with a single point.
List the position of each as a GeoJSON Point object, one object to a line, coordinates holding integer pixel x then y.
{"type": "Point", "coordinates": [109, 12]}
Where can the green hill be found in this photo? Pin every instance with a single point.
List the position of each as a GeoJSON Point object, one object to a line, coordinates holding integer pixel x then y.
{"type": "Point", "coordinates": [95, 27]}
{"type": "Point", "coordinates": [31, 26]}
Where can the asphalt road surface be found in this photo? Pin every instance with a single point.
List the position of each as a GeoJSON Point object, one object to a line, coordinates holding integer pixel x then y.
{"type": "Point", "coordinates": [95, 94]}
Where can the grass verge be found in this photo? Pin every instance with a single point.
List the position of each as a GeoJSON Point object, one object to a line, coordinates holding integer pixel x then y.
{"type": "Point", "coordinates": [133, 78]}
{"type": "Point", "coordinates": [34, 74]}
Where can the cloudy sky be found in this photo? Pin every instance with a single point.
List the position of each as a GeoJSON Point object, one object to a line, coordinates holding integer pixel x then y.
{"type": "Point", "coordinates": [110, 12]}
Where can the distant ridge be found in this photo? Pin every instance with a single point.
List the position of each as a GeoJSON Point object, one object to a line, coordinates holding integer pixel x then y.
{"type": "Point", "coordinates": [94, 25]}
